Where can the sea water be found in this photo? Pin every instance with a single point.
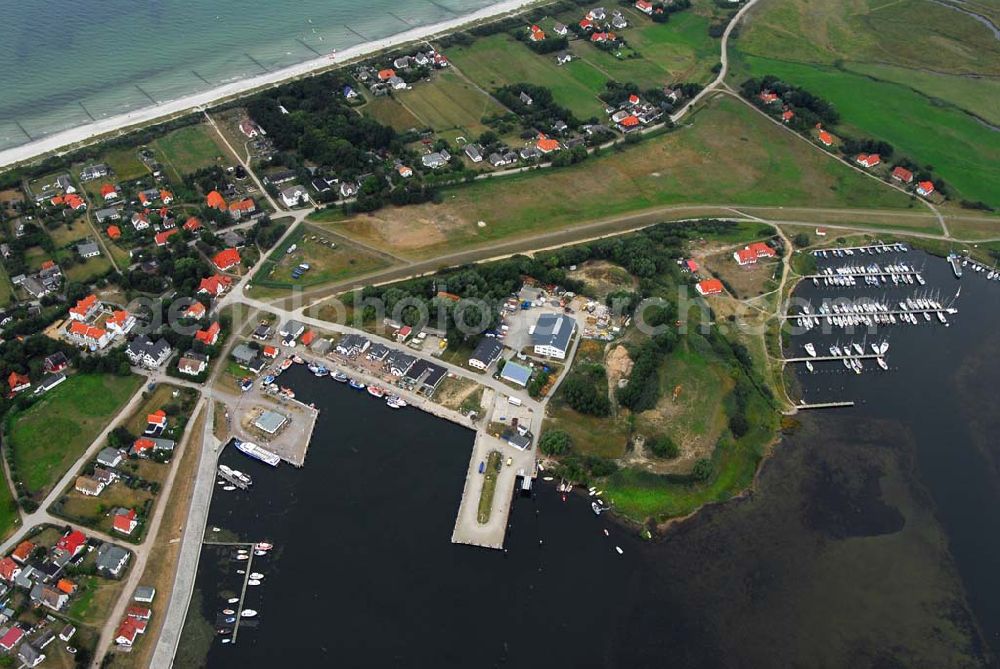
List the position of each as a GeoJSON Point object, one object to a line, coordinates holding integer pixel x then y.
{"type": "Point", "coordinates": [64, 64]}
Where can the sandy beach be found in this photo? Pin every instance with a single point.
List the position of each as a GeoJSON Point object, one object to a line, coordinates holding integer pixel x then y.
{"type": "Point", "coordinates": [81, 135]}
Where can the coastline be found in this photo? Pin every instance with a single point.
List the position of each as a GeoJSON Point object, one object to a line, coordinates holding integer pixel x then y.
{"type": "Point", "coordinates": [74, 138]}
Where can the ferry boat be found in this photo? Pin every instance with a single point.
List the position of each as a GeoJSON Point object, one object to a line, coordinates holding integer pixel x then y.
{"type": "Point", "coordinates": [339, 377]}
{"type": "Point", "coordinates": [357, 385]}
{"type": "Point", "coordinates": [256, 452]}
{"type": "Point", "coordinates": [375, 391]}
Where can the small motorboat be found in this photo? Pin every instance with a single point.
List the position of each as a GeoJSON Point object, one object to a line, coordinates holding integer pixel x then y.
{"type": "Point", "coordinates": [257, 575]}
{"type": "Point", "coordinates": [229, 619]}
{"type": "Point", "coordinates": [263, 546]}
{"type": "Point", "coordinates": [253, 581]}
{"type": "Point", "coordinates": [339, 377]}
{"type": "Point", "coordinates": [297, 360]}
{"type": "Point", "coordinates": [229, 487]}
{"type": "Point", "coordinates": [227, 641]}
{"type": "Point", "coordinates": [597, 508]}
{"type": "Point", "coordinates": [357, 385]}
{"type": "Point", "coordinates": [375, 391]}
{"type": "Point", "coordinates": [241, 571]}
{"type": "Point", "coordinates": [606, 533]}
{"type": "Point", "coordinates": [619, 549]}
{"type": "Point", "coordinates": [547, 478]}
{"type": "Point", "coordinates": [242, 556]}
{"type": "Point", "coordinates": [260, 553]}
{"type": "Point", "coordinates": [228, 612]}
{"type": "Point", "coordinates": [248, 613]}
{"type": "Point", "coordinates": [232, 600]}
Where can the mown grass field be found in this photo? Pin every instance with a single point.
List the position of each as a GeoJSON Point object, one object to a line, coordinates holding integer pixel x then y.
{"type": "Point", "coordinates": [51, 434]}
{"type": "Point", "coordinates": [389, 111]}
{"type": "Point", "coordinates": [326, 264]}
{"type": "Point", "coordinates": [189, 149]}
{"type": "Point", "coordinates": [729, 154]}
{"type": "Point", "coordinates": [449, 102]}
{"type": "Point", "coordinates": [124, 163]}
{"type": "Point", "coordinates": [499, 60]}
{"type": "Point", "coordinates": [6, 288]}
{"type": "Point", "coordinates": [960, 149]}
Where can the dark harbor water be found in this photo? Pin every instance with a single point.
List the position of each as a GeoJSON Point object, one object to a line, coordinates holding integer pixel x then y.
{"type": "Point", "coordinates": [872, 539]}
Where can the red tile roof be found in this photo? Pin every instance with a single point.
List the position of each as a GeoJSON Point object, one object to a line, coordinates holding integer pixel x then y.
{"type": "Point", "coordinates": [72, 542]}
{"type": "Point", "coordinates": [825, 137]}
{"type": "Point", "coordinates": [215, 284]}
{"type": "Point", "coordinates": [142, 444]}
{"type": "Point", "coordinates": [208, 336]}
{"type": "Point", "coordinates": [926, 187]}
{"type": "Point", "coordinates": [226, 258]}
{"type": "Point", "coordinates": [308, 337]}
{"type": "Point", "coordinates": [161, 238]}
{"type": "Point", "coordinates": [125, 522]}
{"type": "Point", "coordinates": [192, 224]}
{"type": "Point", "coordinates": [270, 352]}
{"type": "Point", "coordinates": [108, 189]}
{"type": "Point", "coordinates": [386, 74]}
{"type": "Point", "coordinates": [196, 310]}
{"type": "Point", "coordinates": [8, 568]}
{"type": "Point", "coordinates": [87, 331]}
{"type": "Point", "coordinates": [215, 200]}
{"type": "Point", "coordinates": [84, 305]}
{"type": "Point", "coordinates": [10, 639]}
{"type": "Point", "coordinates": [546, 145]}
{"type": "Point", "coordinates": [630, 121]}
{"type": "Point", "coordinates": [23, 551]}
{"type": "Point", "coordinates": [114, 232]}
{"type": "Point", "coordinates": [158, 417]}
{"type": "Point", "coordinates": [18, 380]}
{"type": "Point", "coordinates": [902, 174]}
{"type": "Point", "coordinates": [710, 287]}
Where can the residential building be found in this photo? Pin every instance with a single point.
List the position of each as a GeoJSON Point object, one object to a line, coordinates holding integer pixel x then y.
{"type": "Point", "coordinates": [55, 363]}
{"type": "Point", "coordinates": [925, 188]}
{"type": "Point", "coordinates": [12, 637]}
{"type": "Point", "coordinates": [88, 249]}
{"type": "Point", "coordinates": [295, 196]}
{"type": "Point", "coordinates": [110, 457]}
{"type": "Point", "coordinates": [752, 253]}
{"type": "Point", "coordinates": [89, 336]}
{"type": "Point", "coordinates": [210, 335]}
{"type": "Point", "coordinates": [128, 631]}
{"type": "Point", "coordinates": [144, 352]}
{"type": "Point", "coordinates": [551, 334]}
{"type": "Point", "coordinates": [291, 329]}
{"type": "Point", "coordinates": [352, 345]}
{"type": "Point", "coordinates": [145, 594]}
{"type": "Point", "coordinates": [49, 382]}
{"type": "Point", "coordinates": [902, 175]}
{"type": "Point", "coordinates": [18, 382]}
{"type": "Point", "coordinates": [29, 655]}
{"type": "Point", "coordinates": [92, 172]}
{"type": "Point", "coordinates": [111, 559]}
{"type": "Point", "coordinates": [436, 159]}
{"type": "Point", "coordinates": [868, 160]}
{"type": "Point", "coordinates": [709, 287]}
{"type": "Point", "coordinates": [140, 221]}
{"type": "Point", "coordinates": [125, 521]}
{"type": "Point", "coordinates": [215, 285]}
{"type": "Point", "coordinates": [85, 309]}
{"type": "Point", "coordinates": [192, 363]}
{"type": "Point", "coordinates": [108, 214]}
{"type": "Point", "coordinates": [23, 551]}
{"type": "Point", "coordinates": [226, 259]}
{"type": "Point", "coordinates": [486, 353]}
{"type": "Point", "coordinates": [474, 153]}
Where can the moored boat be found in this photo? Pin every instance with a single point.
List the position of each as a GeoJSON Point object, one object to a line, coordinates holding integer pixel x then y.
{"type": "Point", "coordinates": [254, 451]}
{"type": "Point", "coordinates": [357, 385]}
{"type": "Point", "coordinates": [339, 377]}
{"type": "Point", "coordinates": [376, 391]}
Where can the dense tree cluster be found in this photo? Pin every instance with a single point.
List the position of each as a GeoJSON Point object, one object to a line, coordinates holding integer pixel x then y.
{"type": "Point", "coordinates": [585, 389]}
{"type": "Point", "coordinates": [542, 113]}
{"type": "Point", "coordinates": [555, 442]}
{"type": "Point", "coordinates": [809, 109]}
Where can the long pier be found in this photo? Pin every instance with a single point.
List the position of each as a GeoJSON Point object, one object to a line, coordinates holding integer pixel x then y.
{"type": "Point", "coordinates": [872, 314]}
{"type": "Point", "coordinates": [826, 405]}
{"type": "Point", "coordinates": [877, 247]}
{"type": "Point", "coordinates": [828, 358]}
{"type": "Point", "coordinates": [862, 274]}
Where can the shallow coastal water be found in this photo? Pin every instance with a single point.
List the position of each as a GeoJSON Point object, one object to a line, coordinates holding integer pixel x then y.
{"type": "Point", "coordinates": [65, 64]}
{"type": "Point", "coordinates": [870, 541]}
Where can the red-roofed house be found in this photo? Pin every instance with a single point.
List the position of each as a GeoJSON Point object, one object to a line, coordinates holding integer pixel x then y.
{"type": "Point", "coordinates": [602, 37]}
{"type": "Point", "coordinates": [66, 585]}
{"type": "Point", "coordinates": [139, 612]}
{"type": "Point", "coordinates": [787, 115]}
{"type": "Point", "coordinates": [386, 74]}
{"type": "Point", "coordinates": [691, 265]}
{"type": "Point", "coordinates": [546, 145]}
{"type": "Point", "coordinates": [162, 238]}
{"type": "Point", "coordinates": [72, 542]}
{"type": "Point", "coordinates": [587, 24]}
{"type": "Point", "coordinates": [109, 192]}
{"type": "Point", "coordinates": [141, 445]}
{"type": "Point", "coordinates": [121, 322]}
{"type": "Point", "coordinates": [925, 188]}
{"type": "Point", "coordinates": [140, 220]}
{"type": "Point", "coordinates": [74, 202]}
{"type": "Point", "coordinates": [404, 171]}
{"type": "Point", "coordinates": [11, 638]}
{"type": "Point", "coordinates": [825, 138]}
{"type": "Point", "coordinates": [537, 34]}
{"type": "Point", "coordinates": [644, 6]}
{"type": "Point", "coordinates": [9, 569]}
{"type": "Point", "coordinates": [868, 159]}
{"type": "Point", "coordinates": [270, 351]}
{"type": "Point", "coordinates": [158, 418]}
{"type": "Point", "coordinates": [125, 522]}
{"type": "Point", "coordinates": [226, 259]}
{"type": "Point", "coordinates": [750, 254]}
{"type": "Point", "coordinates": [18, 382]}
{"type": "Point", "coordinates": [114, 232]}
{"type": "Point", "coordinates": [630, 122]}
{"type": "Point", "coordinates": [241, 208]}
{"type": "Point", "coordinates": [127, 632]}
{"type": "Point", "coordinates": [902, 175]}
{"type": "Point", "coordinates": [23, 551]}
{"type": "Point", "coordinates": [308, 337]}
{"type": "Point", "coordinates": [85, 308]}
{"type": "Point", "coordinates": [143, 199]}
{"type": "Point", "coordinates": [208, 336]}
{"type": "Point", "coordinates": [768, 97]}
{"type": "Point", "coordinates": [215, 285]}
{"type": "Point", "coordinates": [196, 310]}
{"type": "Point", "coordinates": [192, 224]}
{"type": "Point", "coordinates": [166, 196]}
{"type": "Point", "coordinates": [56, 201]}
{"type": "Point", "coordinates": [88, 335]}
{"type": "Point", "coordinates": [633, 99]}
{"type": "Point", "coordinates": [709, 287]}
{"type": "Point", "coordinates": [215, 200]}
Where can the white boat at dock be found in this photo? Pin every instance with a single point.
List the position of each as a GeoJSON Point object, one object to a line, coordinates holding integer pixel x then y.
{"type": "Point", "coordinates": [257, 575]}
{"type": "Point", "coordinates": [810, 349]}
{"type": "Point", "coordinates": [253, 581]}
{"type": "Point", "coordinates": [256, 452]}
{"type": "Point", "coordinates": [232, 600]}
{"type": "Point", "coordinates": [376, 391]}
{"type": "Point", "coordinates": [339, 377]}
{"type": "Point", "coordinates": [810, 366]}
{"type": "Point", "coordinates": [882, 363]}
{"type": "Point", "coordinates": [247, 613]}
{"type": "Point", "coordinates": [395, 402]}
{"type": "Point", "coordinates": [263, 546]}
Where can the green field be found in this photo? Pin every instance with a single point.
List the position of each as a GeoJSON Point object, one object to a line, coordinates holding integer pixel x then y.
{"type": "Point", "coordinates": [449, 102]}
{"type": "Point", "coordinates": [6, 288]}
{"type": "Point", "coordinates": [499, 60]}
{"type": "Point", "coordinates": [51, 434]}
{"type": "Point", "coordinates": [326, 263]}
{"type": "Point", "coordinates": [124, 163]}
{"type": "Point", "coordinates": [963, 152]}
{"type": "Point", "coordinates": [189, 149]}
{"type": "Point", "coordinates": [665, 53]}
{"type": "Point", "coordinates": [83, 272]}
{"type": "Point", "coordinates": [389, 111]}
{"type": "Point", "coordinates": [70, 232]}
{"type": "Point", "coordinates": [729, 154]}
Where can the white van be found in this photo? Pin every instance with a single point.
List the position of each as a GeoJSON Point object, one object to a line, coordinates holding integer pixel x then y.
{"type": "Point", "coordinates": [514, 400]}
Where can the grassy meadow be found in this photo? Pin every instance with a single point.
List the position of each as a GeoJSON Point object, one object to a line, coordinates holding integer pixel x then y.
{"type": "Point", "coordinates": [49, 436]}
{"type": "Point", "coordinates": [188, 150]}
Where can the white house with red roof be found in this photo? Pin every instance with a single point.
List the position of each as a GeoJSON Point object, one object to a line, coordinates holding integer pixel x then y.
{"type": "Point", "coordinates": [752, 253]}
{"type": "Point", "coordinates": [90, 336]}
{"type": "Point", "coordinates": [709, 287]}
{"type": "Point", "coordinates": [209, 335]}
{"type": "Point", "coordinates": [215, 285]}
{"type": "Point", "coordinates": [868, 159]}
{"type": "Point", "coordinates": [901, 174]}
{"type": "Point", "coordinates": [11, 638]}
{"type": "Point", "coordinates": [125, 521]}
{"type": "Point", "coordinates": [226, 259]}
{"type": "Point", "coordinates": [85, 309]}
{"type": "Point", "coordinates": [644, 6]}
{"type": "Point", "coordinates": [128, 631]}
{"type": "Point", "coordinates": [925, 188]}
{"type": "Point", "coordinates": [72, 542]}
{"type": "Point", "coordinates": [120, 323]}
{"type": "Point", "coordinates": [196, 311]}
